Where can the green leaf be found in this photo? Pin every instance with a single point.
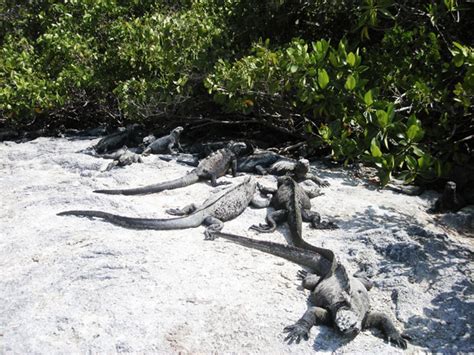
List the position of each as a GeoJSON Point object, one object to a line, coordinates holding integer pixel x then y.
{"type": "Point", "coordinates": [458, 60]}
{"type": "Point", "coordinates": [411, 132]}
{"type": "Point", "coordinates": [411, 162]}
{"type": "Point", "coordinates": [388, 163]}
{"type": "Point", "coordinates": [351, 59]}
{"type": "Point", "coordinates": [412, 120]}
{"type": "Point", "coordinates": [368, 98]}
{"type": "Point", "coordinates": [384, 177]}
{"type": "Point", "coordinates": [415, 133]}
{"type": "Point", "coordinates": [350, 83]}
{"type": "Point", "coordinates": [325, 132]}
{"type": "Point", "coordinates": [374, 149]}
{"type": "Point", "coordinates": [438, 168]}
{"type": "Point", "coordinates": [390, 112]}
{"type": "Point", "coordinates": [424, 162]}
{"type": "Point", "coordinates": [417, 151]}
{"type": "Point", "coordinates": [382, 118]}
{"type": "Point", "coordinates": [323, 78]}
{"type": "Point", "coordinates": [334, 59]}
{"type": "Point", "coordinates": [293, 68]}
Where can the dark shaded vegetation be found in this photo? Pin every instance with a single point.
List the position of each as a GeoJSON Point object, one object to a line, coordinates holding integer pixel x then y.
{"type": "Point", "coordinates": [386, 82]}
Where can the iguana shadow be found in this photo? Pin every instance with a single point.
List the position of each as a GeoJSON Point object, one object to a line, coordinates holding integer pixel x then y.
{"type": "Point", "coordinates": [445, 326]}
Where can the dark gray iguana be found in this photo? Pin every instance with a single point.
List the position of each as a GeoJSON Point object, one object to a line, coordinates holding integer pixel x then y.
{"type": "Point", "coordinates": [450, 200]}
{"type": "Point", "coordinates": [337, 299]}
{"type": "Point", "coordinates": [292, 204]}
{"type": "Point", "coordinates": [258, 162]}
{"type": "Point", "coordinates": [122, 157]}
{"type": "Point", "coordinates": [165, 144]}
{"type": "Point", "coordinates": [265, 162]}
{"type": "Point", "coordinates": [131, 135]}
{"type": "Point", "coordinates": [214, 166]}
{"type": "Point", "coordinates": [299, 170]}
{"type": "Point", "coordinates": [218, 208]}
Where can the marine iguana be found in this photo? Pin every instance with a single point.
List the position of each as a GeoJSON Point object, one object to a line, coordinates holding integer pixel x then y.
{"type": "Point", "coordinates": [337, 299]}
{"type": "Point", "coordinates": [131, 135]}
{"type": "Point", "coordinates": [214, 166]}
{"type": "Point", "coordinates": [292, 204]}
{"type": "Point", "coordinates": [450, 200]}
{"type": "Point", "coordinates": [203, 149]}
{"type": "Point", "coordinates": [218, 208]}
{"type": "Point", "coordinates": [122, 157]}
{"type": "Point", "coordinates": [264, 162]}
{"type": "Point", "coordinates": [166, 143]}
{"type": "Point", "coordinates": [184, 158]}
{"type": "Point", "coordinates": [299, 170]}
{"type": "Point", "coordinates": [258, 161]}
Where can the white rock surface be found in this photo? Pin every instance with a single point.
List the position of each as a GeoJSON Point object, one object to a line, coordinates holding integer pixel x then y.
{"type": "Point", "coordinates": [72, 284]}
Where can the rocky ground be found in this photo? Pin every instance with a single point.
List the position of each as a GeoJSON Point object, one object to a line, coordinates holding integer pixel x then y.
{"type": "Point", "coordinates": [74, 284]}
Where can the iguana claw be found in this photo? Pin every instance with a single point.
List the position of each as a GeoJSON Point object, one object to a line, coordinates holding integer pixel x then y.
{"type": "Point", "coordinates": [262, 228]}
{"type": "Point", "coordinates": [325, 183]}
{"type": "Point", "coordinates": [209, 235]}
{"type": "Point", "coordinates": [173, 211]}
{"type": "Point", "coordinates": [296, 332]}
{"type": "Point", "coordinates": [398, 340]}
{"type": "Point", "coordinates": [301, 274]}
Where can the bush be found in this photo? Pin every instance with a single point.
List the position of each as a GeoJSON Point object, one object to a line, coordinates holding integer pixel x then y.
{"type": "Point", "coordinates": [391, 84]}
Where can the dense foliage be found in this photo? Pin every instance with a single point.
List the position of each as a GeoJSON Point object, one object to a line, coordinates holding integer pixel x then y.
{"type": "Point", "coordinates": [387, 82]}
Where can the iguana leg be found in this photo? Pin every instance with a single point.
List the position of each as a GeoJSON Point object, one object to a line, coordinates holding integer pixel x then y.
{"type": "Point", "coordinates": [321, 183]}
{"type": "Point", "coordinates": [266, 190]}
{"type": "Point", "coordinates": [315, 219]}
{"type": "Point", "coordinates": [182, 211]}
{"type": "Point", "coordinates": [111, 165]}
{"type": "Point", "coordinates": [299, 330]}
{"type": "Point", "coordinates": [234, 167]}
{"type": "Point", "coordinates": [383, 322]}
{"type": "Point", "coordinates": [260, 170]}
{"type": "Point", "coordinates": [213, 225]}
{"type": "Point", "coordinates": [273, 219]}
{"type": "Point", "coordinates": [313, 193]}
{"type": "Point", "coordinates": [214, 182]}
{"type": "Point", "coordinates": [362, 277]}
{"type": "Point", "coordinates": [260, 202]}
{"type": "Point", "coordinates": [170, 148]}
{"type": "Point", "coordinates": [309, 280]}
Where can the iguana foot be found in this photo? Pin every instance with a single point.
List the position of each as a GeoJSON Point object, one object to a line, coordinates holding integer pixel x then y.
{"type": "Point", "coordinates": [324, 183]}
{"type": "Point", "coordinates": [397, 339]}
{"type": "Point", "coordinates": [262, 228]}
{"type": "Point", "coordinates": [301, 274]}
{"type": "Point", "coordinates": [296, 332]}
{"type": "Point", "coordinates": [208, 235]}
{"type": "Point", "coordinates": [174, 211]}
{"type": "Point", "coordinates": [221, 183]}
{"type": "Point", "coordinates": [325, 225]}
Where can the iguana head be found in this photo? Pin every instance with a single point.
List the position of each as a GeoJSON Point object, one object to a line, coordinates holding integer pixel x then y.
{"type": "Point", "coordinates": [177, 131]}
{"type": "Point", "coordinates": [449, 189]}
{"type": "Point", "coordinates": [301, 168]}
{"type": "Point", "coordinates": [237, 147]}
{"type": "Point", "coordinates": [252, 183]}
{"type": "Point", "coordinates": [285, 179]}
{"type": "Point", "coordinates": [347, 322]}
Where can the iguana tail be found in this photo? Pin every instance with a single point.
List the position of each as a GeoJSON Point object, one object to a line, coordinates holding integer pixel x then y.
{"type": "Point", "coordinates": [315, 261]}
{"type": "Point", "coordinates": [140, 223]}
{"type": "Point", "coordinates": [186, 180]}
